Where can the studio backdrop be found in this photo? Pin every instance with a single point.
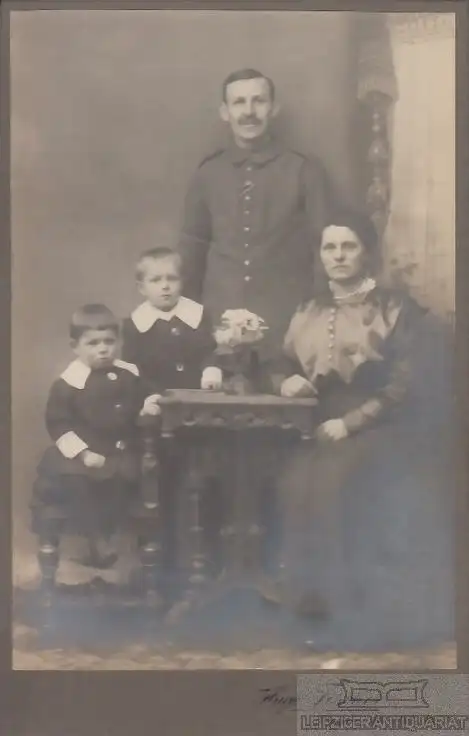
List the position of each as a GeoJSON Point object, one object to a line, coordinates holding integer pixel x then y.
{"type": "Point", "coordinates": [111, 111]}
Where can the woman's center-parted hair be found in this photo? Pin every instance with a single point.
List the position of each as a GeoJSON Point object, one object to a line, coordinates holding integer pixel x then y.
{"type": "Point", "coordinates": [362, 225]}
{"type": "Point", "coordinates": [359, 222]}
{"type": "Point", "coordinates": [156, 254]}
{"type": "Point", "coordinates": [92, 317]}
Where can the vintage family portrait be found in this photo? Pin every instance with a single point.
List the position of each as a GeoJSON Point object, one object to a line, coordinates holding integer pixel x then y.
{"type": "Point", "coordinates": [233, 269]}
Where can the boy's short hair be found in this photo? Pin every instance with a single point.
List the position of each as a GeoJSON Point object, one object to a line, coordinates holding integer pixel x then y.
{"type": "Point", "coordinates": [156, 254]}
{"type": "Point", "coordinates": [92, 317]}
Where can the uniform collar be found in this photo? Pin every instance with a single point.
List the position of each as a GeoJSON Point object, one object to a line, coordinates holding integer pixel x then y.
{"type": "Point", "coordinates": [188, 311]}
{"type": "Point", "coordinates": [267, 152]}
{"type": "Point", "coordinates": [77, 373]}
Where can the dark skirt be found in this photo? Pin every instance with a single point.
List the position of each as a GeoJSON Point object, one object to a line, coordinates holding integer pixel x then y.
{"type": "Point", "coordinates": [95, 501]}
{"type": "Point", "coordinates": [368, 528]}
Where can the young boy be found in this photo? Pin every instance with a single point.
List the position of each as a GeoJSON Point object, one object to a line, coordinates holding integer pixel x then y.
{"type": "Point", "coordinates": [91, 416]}
{"type": "Point", "coordinates": [168, 337]}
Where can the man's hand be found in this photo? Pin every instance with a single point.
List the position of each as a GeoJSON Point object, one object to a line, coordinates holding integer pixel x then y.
{"type": "Point", "coordinates": [150, 406]}
{"type": "Point", "coordinates": [92, 459]}
{"type": "Point", "coordinates": [333, 429]}
{"type": "Point", "coordinates": [212, 379]}
{"type": "Point", "coordinates": [296, 386]}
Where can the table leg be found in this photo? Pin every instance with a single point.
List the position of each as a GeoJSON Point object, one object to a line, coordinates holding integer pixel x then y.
{"type": "Point", "coordinates": [149, 553]}
{"type": "Point", "coordinates": [191, 493]}
{"type": "Point", "coordinates": [242, 470]}
{"type": "Point", "coordinates": [149, 542]}
{"type": "Point", "coordinates": [242, 534]}
{"type": "Point", "coordinates": [48, 559]}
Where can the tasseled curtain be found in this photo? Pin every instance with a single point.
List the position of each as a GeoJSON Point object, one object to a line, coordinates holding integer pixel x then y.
{"type": "Point", "coordinates": [421, 230]}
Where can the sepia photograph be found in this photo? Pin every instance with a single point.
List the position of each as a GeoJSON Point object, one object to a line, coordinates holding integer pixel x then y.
{"type": "Point", "coordinates": [233, 314]}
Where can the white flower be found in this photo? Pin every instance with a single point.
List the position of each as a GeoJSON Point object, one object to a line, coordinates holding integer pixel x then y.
{"type": "Point", "coordinates": [239, 327]}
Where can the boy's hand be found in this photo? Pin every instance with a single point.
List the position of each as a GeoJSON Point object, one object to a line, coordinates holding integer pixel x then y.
{"type": "Point", "coordinates": [333, 429]}
{"type": "Point", "coordinates": [92, 459]}
{"type": "Point", "coordinates": [212, 379]}
{"type": "Point", "coordinates": [296, 386]}
{"type": "Point", "coordinates": [150, 406]}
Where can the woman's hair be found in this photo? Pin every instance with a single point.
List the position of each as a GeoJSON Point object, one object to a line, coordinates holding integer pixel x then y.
{"type": "Point", "coordinates": [362, 225]}
{"type": "Point", "coordinates": [155, 254]}
{"type": "Point", "coordinates": [92, 317]}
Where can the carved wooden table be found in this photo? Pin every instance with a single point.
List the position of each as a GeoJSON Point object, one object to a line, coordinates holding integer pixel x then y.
{"type": "Point", "coordinates": [241, 441]}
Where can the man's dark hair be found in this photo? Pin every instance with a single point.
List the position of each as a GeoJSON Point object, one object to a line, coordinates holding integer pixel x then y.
{"type": "Point", "coordinates": [155, 254]}
{"type": "Point", "coordinates": [247, 74]}
{"type": "Point", "coordinates": [92, 317]}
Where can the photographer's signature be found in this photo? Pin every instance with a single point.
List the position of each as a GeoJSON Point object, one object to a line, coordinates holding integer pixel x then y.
{"type": "Point", "coordinates": [283, 701]}
{"type": "Point", "coordinates": [279, 698]}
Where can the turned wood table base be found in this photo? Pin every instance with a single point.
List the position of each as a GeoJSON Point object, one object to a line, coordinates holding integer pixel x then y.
{"type": "Point", "coordinates": [241, 441]}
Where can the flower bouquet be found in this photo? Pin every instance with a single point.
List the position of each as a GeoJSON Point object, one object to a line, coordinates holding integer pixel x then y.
{"type": "Point", "coordinates": [237, 336]}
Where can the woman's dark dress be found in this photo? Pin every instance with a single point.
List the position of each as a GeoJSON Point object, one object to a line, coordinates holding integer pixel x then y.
{"type": "Point", "coordinates": [365, 520]}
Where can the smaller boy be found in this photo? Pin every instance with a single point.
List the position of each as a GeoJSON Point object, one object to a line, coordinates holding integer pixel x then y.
{"type": "Point", "coordinates": [91, 416]}
{"type": "Point", "coordinates": [169, 337]}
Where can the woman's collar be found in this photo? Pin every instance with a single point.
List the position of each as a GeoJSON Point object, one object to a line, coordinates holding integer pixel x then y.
{"type": "Point", "coordinates": [362, 290]}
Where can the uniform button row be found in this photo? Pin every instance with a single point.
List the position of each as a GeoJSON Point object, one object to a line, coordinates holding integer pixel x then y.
{"type": "Point", "coordinates": [175, 331]}
{"type": "Point", "coordinates": [179, 367]}
{"type": "Point", "coordinates": [247, 278]}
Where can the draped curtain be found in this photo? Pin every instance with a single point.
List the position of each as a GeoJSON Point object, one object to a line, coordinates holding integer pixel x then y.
{"type": "Point", "coordinates": [421, 229]}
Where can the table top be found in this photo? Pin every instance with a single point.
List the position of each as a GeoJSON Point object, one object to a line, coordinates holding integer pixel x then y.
{"type": "Point", "coordinates": [199, 397]}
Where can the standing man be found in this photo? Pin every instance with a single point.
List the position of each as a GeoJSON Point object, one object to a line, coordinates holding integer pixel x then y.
{"type": "Point", "coordinates": [253, 215]}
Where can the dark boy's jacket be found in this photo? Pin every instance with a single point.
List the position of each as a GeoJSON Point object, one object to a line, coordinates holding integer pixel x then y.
{"type": "Point", "coordinates": [251, 221]}
{"type": "Point", "coordinates": [95, 410]}
{"type": "Point", "coordinates": [170, 349]}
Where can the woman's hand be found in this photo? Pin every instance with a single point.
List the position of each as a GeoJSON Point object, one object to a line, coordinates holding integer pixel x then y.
{"type": "Point", "coordinates": [333, 429]}
{"type": "Point", "coordinates": [296, 386]}
{"type": "Point", "coordinates": [92, 459]}
{"type": "Point", "coordinates": [150, 406]}
{"type": "Point", "coordinates": [212, 379]}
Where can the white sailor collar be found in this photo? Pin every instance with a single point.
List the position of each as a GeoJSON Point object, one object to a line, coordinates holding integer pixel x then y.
{"type": "Point", "coordinates": [188, 311]}
{"type": "Point", "coordinates": [77, 373]}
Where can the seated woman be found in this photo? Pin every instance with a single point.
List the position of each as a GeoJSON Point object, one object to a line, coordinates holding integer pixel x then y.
{"type": "Point", "coordinates": [350, 347]}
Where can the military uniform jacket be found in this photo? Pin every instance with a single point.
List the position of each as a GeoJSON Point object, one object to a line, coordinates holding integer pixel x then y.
{"type": "Point", "coordinates": [170, 349]}
{"type": "Point", "coordinates": [95, 410]}
{"type": "Point", "coordinates": [251, 222]}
